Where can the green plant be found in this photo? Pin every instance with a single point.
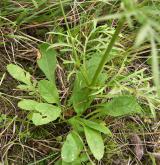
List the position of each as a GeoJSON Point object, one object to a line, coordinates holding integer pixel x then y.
{"type": "Point", "coordinates": [45, 106]}
{"type": "Point", "coordinates": [111, 70]}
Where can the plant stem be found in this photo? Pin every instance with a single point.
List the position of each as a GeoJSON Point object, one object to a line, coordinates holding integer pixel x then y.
{"type": "Point", "coordinates": [107, 52]}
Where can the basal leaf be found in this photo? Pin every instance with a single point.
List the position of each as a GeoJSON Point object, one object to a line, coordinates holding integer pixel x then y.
{"type": "Point", "coordinates": [43, 113]}
{"type": "Point", "coordinates": [19, 74]}
{"type": "Point", "coordinates": [76, 162]}
{"type": "Point", "coordinates": [95, 142]}
{"type": "Point", "coordinates": [96, 126]}
{"type": "Point", "coordinates": [91, 67]}
{"type": "Point", "coordinates": [81, 99]}
{"type": "Point", "coordinates": [27, 104]}
{"type": "Point", "coordinates": [78, 140]}
{"type": "Point", "coordinates": [47, 113]}
{"type": "Point", "coordinates": [47, 61]}
{"type": "Point", "coordinates": [81, 95]}
{"type": "Point", "coordinates": [121, 105]}
{"type": "Point", "coordinates": [48, 91]}
{"type": "Point", "coordinates": [39, 119]}
{"type": "Point", "coordinates": [71, 148]}
{"type": "Point", "coordinates": [75, 124]}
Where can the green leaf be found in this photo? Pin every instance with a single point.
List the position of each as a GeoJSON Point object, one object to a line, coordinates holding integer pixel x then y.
{"type": "Point", "coordinates": [58, 162]}
{"type": "Point", "coordinates": [43, 112]}
{"type": "Point", "coordinates": [47, 113]}
{"type": "Point", "coordinates": [76, 162]}
{"type": "Point", "coordinates": [28, 105]}
{"type": "Point", "coordinates": [71, 148]}
{"type": "Point", "coordinates": [91, 67]}
{"type": "Point", "coordinates": [47, 62]}
{"type": "Point", "coordinates": [48, 91]}
{"type": "Point", "coordinates": [19, 74]}
{"type": "Point", "coordinates": [78, 140]}
{"type": "Point", "coordinates": [95, 142]}
{"type": "Point", "coordinates": [96, 126]}
{"type": "Point", "coordinates": [121, 105]}
{"type": "Point", "coordinates": [81, 95]}
{"type": "Point", "coordinates": [75, 124]}
{"type": "Point", "coordinates": [81, 99]}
